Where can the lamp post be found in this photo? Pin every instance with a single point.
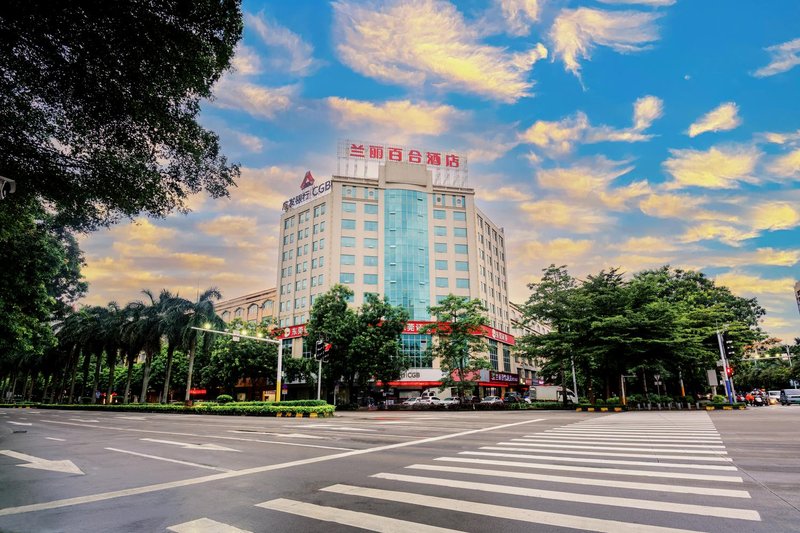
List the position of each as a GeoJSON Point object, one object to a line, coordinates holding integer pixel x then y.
{"type": "Point", "coordinates": [237, 336]}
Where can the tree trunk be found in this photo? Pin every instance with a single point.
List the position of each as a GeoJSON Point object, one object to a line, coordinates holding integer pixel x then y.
{"type": "Point", "coordinates": [564, 385]}
{"type": "Point", "coordinates": [74, 375]}
{"type": "Point", "coordinates": [644, 382]}
{"type": "Point", "coordinates": [87, 360]}
{"type": "Point", "coordinates": [148, 359]}
{"type": "Point", "coordinates": [29, 392]}
{"type": "Point", "coordinates": [47, 382]}
{"type": "Point", "coordinates": [192, 348]}
{"type": "Point", "coordinates": [96, 381]}
{"type": "Point", "coordinates": [112, 371]}
{"type": "Point", "coordinates": [165, 393]}
{"type": "Point", "coordinates": [128, 381]}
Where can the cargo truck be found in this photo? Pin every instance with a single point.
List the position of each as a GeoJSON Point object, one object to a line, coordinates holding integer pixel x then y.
{"type": "Point", "coordinates": [550, 393]}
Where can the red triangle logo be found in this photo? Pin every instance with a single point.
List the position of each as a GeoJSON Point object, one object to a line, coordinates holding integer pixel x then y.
{"type": "Point", "coordinates": [308, 181]}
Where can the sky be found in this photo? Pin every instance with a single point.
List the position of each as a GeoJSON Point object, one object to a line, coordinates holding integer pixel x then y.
{"type": "Point", "coordinates": [599, 134]}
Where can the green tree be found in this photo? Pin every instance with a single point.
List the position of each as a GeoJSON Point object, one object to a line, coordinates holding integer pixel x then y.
{"type": "Point", "coordinates": [459, 345]}
{"type": "Point", "coordinates": [99, 104]}
{"type": "Point", "coordinates": [232, 359]}
{"type": "Point", "coordinates": [201, 315]}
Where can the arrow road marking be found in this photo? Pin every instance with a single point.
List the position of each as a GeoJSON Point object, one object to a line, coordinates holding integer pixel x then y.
{"type": "Point", "coordinates": [66, 466]}
{"type": "Point", "coordinates": [285, 435]}
{"type": "Point", "coordinates": [20, 423]}
{"type": "Point", "coordinates": [83, 420]}
{"type": "Point", "coordinates": [190, 446]}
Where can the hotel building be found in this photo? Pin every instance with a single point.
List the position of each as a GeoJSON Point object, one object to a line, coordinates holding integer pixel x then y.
{"type": "Point", "coordinates": [402, 223]}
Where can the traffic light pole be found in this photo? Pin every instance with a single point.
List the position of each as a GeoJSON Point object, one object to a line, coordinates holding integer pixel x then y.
{"type": "Point", "coordinates": [725, 370]}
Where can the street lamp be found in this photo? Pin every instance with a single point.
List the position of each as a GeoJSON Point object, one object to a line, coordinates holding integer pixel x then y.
{"type": "Point", "coordinates": [259, 338]}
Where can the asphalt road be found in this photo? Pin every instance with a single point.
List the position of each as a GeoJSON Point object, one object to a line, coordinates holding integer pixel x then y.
{"type": "Point", "coordinates": [669, 471]}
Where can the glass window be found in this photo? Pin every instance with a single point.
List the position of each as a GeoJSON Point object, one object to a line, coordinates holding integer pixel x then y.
{"type": "Point", "coordinates": [370, 243]}
{"type": "Point", "coordinates": [370, 260]}
{"type": "Point", "coordinates": [506, 358]}
{"type": "Point", "coordinates": [347, 277]}
{"type": "Point", "coordinates": [348, 223]}
{"type": "Point", "coordinates": [460, 232]}
{"type": "Point", "coordinates": [442, 283]}
{"type": "Point", "coordinates": [441, 264]}
{"type": "Point", "coordinates": [417, 349]}
{"type": "Point", "coordinates": [347, 259]}
{"type": "Point", "coordinates": [370, 279]}
{"type": "Point", "coordinates": [460, 248]}
{"type": "Point", "coordinates": [493, 353]}
{"type": "Point", "coordinates": [462, 283]}
{"type": "Point", "coordinates": [462, 266]}
{"type": "Point", "coordinates": [440, 231]}
{"type": "Point", "coordinates": [370, 225]}
{"type": "Point", "coordinates": [439, 214]}
{"type": "Point", "coordinates": [440, 247]}
{"type": "Point", "coordinates": [371, 209]}
{"type": "Point", "coordinates": [349, 207]}
{"type": "Point", "coordinates": [459, 215]}
{"type": "Point", "coordinates": [440, 298]}
{"type": "Point", "coordinates": [348, 242]}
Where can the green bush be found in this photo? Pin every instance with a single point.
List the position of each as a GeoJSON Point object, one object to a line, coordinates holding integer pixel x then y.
{"type": "Point", "coordinates": [636, 398]}
{"type": "Point", "coordinates": [224, 398]}
{"type": "Point", "coordinates": [718, 398]}
{"type": "Point", "coordinates": [613, 401]}
{"type": "Point", "coordinates": [599, 402]}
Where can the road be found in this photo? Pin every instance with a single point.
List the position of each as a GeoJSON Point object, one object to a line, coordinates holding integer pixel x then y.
{"type": "Point", "coordinates": [417, 471]}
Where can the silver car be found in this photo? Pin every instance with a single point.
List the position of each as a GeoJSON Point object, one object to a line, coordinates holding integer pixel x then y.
{"type": "Point", "coordinates": [790, 396]}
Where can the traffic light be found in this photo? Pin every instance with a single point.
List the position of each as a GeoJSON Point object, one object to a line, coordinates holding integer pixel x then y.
{"type": "Point", "coordinates": [729, 350]}
{"type": "Point", "coordinates": [319, 352]}
{"type": "Point", "coordinates": [729, 371]}
{"type": "Point", "coordinates": [326, 352]}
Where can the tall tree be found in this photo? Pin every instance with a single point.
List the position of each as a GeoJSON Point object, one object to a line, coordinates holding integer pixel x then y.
{"type": "Point", "coordinates": [459, 345]}
{"type": "Point", "coordinates": [174, 312]}
{"type": "Point", "coordinates": [202, 315]}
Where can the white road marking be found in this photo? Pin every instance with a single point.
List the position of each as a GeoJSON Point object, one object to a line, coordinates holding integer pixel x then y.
{"type": "Point", "coordinates": [205, 525]}
{"type": "Point", "coordinates": [629, 438]}
{"type": "Point", "coordinates": [66, 466]}
{"type": "Point", "coordinates": [55, 438]}
{"type": "Point", "coordinates": [582, 523]}
{"type": "Point", "coordinates": [600, 461]}
{"type": "Point", "coordinates": [20, 423]}
{"type": "Point", "coordinates": [91, 498]}
{"type": "Point", "coordinates": [284, 435]}
{"type": "Point", "coordinates": [191, 446]}
{"type": "Point", "coordinates": [91, 421]}
{"type": "Point", "coordinates": [659, 487]}
{"type": "Point", "coordinates": [606, 447]}
{"type": "Point", "coordinates": [652, 445]}
{"type": "Point", "coordinates": [338, 428]}
{"type": "Point", "coordinates": [551, 449]}
{"type": "Point", "coordinates": [367, 521]}
{"type": "Point", "coordinates": [594, 469]}
{"type": "Point", "coordinates": [167, 459]}
{"type": "Point", "coordinates": [630, 503]}
{"type": "Point", "coordinates": [132, 418]}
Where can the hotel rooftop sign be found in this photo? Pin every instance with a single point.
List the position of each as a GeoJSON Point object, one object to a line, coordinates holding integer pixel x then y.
{"type": "Point", "coordinates": [361, 159]}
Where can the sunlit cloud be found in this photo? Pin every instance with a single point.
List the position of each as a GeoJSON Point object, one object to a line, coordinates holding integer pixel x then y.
{"type": "Point", "coordinates": [722, 118]}
{"type": "Point", "coordinates": [266, 187]}
{"type": "Point", "coordinates": [519, 15]}
{"type": "Point", "coordinates": [716, 168]}
{"type": "Point", "coordinates": [246, 61]}
{"type": "Point", "coordinates": [288, 51]}
{"type": "Point", "coordinates": [232, 92]}
{"type": "Point", "coordinates": [783, 57]}
{"type": "Point", "coordinates": [781, 138]}
{"type": "Point", "coordinates": [758, 257]}
{"type": "Point", "coordinates": [558, 251]}
{"type": "Point", "coordinates": [420, 42]}
{"type": "Point", "coordinates": [787, 166]}
{"type": "Point", "coordinates": [725, 233]}
{"type": "Point", "coordinates": [774, 215]}
{"type": "Point", "coordinates": [503, 194]}
{"type": "Point", "coordinates": [230, 225]}
{"type": "Point", "coordinates": [637, 245]}
{"type": "Point", "coordinates": [653, 3]}
{"type": "Point", "coordinates": [576, 32]}
{"type": "Point", "coordinates": [749, 285]}
{"type": "Point", "coordinates": [555, 213]}
{"type": "Point", "coordinates": [403, 115]}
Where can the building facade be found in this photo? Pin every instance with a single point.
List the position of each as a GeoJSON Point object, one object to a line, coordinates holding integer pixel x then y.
{"type": "Point", "coordinates": [251, 308]}
{"type": "Point", "coordinates": [398, 227]}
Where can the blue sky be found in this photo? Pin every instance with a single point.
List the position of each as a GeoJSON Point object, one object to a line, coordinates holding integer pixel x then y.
{"type": "Point", "coordinates": [606, 133]}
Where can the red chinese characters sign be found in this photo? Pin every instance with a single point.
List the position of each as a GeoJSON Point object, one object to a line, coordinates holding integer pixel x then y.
{"type": "Point", "coordinates": [402, 155]}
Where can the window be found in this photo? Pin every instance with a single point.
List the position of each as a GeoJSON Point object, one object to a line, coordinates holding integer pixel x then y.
{"type": "Point", "coordinates": [506, 358]}
{"type": "Point", "coordinates": [459, 215]}
{"type": "Point", "coordinates": [371, 209]}
{"type": "Point", "coordinates": [288, 223]}
{"type": "Point", "coordinates": [370, 260]}
{"type": "Point", "coordinates": [462, 266]}
{"type": "Point", "coordinates": [440, 298]}
{"type": "Point", "coordinates": [440, 247]}
{"type": "Point", "coordinates": [347, 259]}
{"type": "Point", "coordinates": [439, 214]}
{"type": "Point", "coordinates": [460, 248]}
{"type": "Point", "coordinates": [349, 207]}
{"type": "Point", "coordinates": [321, 245]}
{"type": "Point", "coordinates": [370, 279]}
{"type": "Point", "coordinates": [348, 223]}
{"type": "Point", "coordinates": [315, 245]}
{"type": "Point", "coordinates": [348, 191]}
{"type": "Point", "coordinates": [370, 225]}
{"type": "Point", "coordinates": [313, 263]}
{"type": "Point", "coordinates": [370, 243]}
{"type": "Point", "coordinates": [462, 283]}
{"type": "Point", "coordinates": [442, 283]}
{"type": "Point", "coordinates": [440, 231]}
{"type": "Point", "coordinates": [416, 348]}
{"type": "Point", "coordinates": [347, 277]}
{"type": "Point", "coordinates": [226, 316]}
{"type": "Point", "coordinates": [441, 264]}
{"type": "Point", "coordinates": [320, 279]}
{"type": "Point", "coordinates": [493, 353]}
{"type": "Point", "coordinates": [348, 242]}
{"type": "Point", "coordinates": [459, 232]}
{"type": "Point", "coordinates": [267, 306]}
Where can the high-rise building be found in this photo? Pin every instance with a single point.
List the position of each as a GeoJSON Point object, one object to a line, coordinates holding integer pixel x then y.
{"type": "Point", "coordinates": [397, 222]}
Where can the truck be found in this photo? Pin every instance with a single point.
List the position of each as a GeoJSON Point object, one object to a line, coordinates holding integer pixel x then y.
{"type": "Point", "coordinates": [550, 393]}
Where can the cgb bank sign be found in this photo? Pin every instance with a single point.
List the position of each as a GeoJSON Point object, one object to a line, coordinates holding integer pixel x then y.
{"type": "Point", "coordinates": [308, 191]}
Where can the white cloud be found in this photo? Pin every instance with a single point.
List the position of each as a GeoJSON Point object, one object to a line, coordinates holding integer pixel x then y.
{"type": "Point", "coordinates": [646, 110]}
{"type": "Point", "coordinates": [783, 57]}
{"type": "Point", "coordinates": [787, 165]}
{"type": "Point", "coordinates": [428, 41]}
{"type": "Point", "coordinates": [265, 102]}
{"type": "Point", "coordinates": [752, 285]}
{"type": "Point", "coordinates": [781, 138]}
{"type": "Point", "coordinates": [570, 216]}
{"type": "Point", "coordinates": [774, 215]}
{"type": "Point", "coordinates": [716, 168]}
{"type": "Point", "coordinates": [519, 14]}
{"type": "Point", "coordinates": [725, 233]}
{"type": "Point", "coordinates": [246, 61]}
{"type": "Point", "coordinates": [576, 32]}
{"type": "Point", "coordinates": [290, 53]}
{"type": "Point", "coordinates": [723, 118]}
{"type": "Point", "coordinates": [403, 115]}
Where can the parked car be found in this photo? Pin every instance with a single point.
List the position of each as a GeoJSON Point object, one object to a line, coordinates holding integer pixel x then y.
{"type": "Point", "coordinates": [492, 400]}
{"type": "Point", "coordinates": [429, 400]}
{"type": "Point", "coordinates": [451, 402]}
{"type": "Point", "coordinates": [790, 396]}
{"type": "Point", "coordinates": [513, 398]}
{"type": "Point", "coordinates": [411, 401]}
{"type": "Point", "coordinates": [774, 397]}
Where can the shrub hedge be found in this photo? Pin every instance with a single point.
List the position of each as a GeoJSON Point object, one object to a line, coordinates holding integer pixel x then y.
{"type": "Point", "coordinates": [289, 408]}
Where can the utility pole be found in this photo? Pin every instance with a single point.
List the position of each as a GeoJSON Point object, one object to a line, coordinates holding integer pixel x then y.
{"type": "Point", "coordinates": [728, 379]}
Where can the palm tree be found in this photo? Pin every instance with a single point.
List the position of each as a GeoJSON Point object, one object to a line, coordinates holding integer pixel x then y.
{"type": "Point", "coordinates": [202, 315]}
{"type": "Point", "coordinates": [132, 343]}
{"type": "Point", "coordinates": [147, 331]}
{"type": "Point", "coordinates": [174, 312]}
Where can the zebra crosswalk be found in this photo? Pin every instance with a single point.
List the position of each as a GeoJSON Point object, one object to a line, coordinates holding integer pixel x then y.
{"type": "Point", "coordinates": [586, 476]}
